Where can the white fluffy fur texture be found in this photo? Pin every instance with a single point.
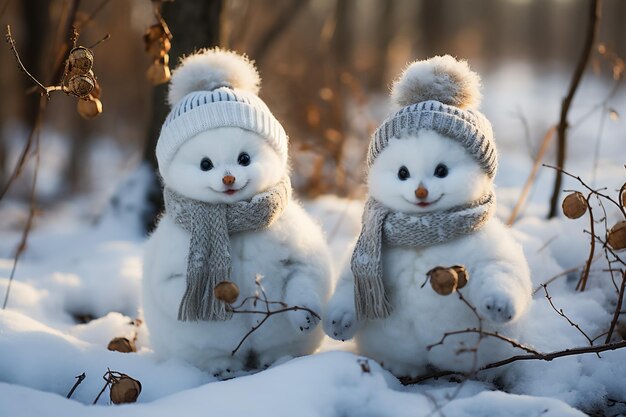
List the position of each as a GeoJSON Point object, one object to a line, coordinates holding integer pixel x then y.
{"type": "Point", "coordinates": [291, 255]}
{"type": "Point", "coordinates": [209, 69]}
{"type": "Point", "coordinates": [499, 284]}
{"type": "Point", "coordinates": [441, 78]}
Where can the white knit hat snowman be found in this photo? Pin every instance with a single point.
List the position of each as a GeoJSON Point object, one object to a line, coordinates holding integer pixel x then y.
{"type": "Point", "coordinates": [215, 88]}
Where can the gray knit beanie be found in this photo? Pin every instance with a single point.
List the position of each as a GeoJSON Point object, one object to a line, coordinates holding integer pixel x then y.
{"type": "Point", "coordinates": [440, 94]}
{"type": "Point", "coordinates": [216, 88]}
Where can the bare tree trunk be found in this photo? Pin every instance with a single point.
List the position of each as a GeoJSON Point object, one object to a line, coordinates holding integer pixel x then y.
{"type": "Point", "coordinates": [195, 25]}
{"type": "Point", "coordinates": [385, 26]}
{"type": "Point", "coordinates": [540, 30]}
{"type": "Point", "coordinates": [284, 20]}
{"type": "Point", "coordinates": [37, 25]}
{"type": "Point", "coordinates": [595, 7]}
{"type": "Point", "coordinates": [34, 14]}
{"type": "Point", "coordinates": [431, 26]}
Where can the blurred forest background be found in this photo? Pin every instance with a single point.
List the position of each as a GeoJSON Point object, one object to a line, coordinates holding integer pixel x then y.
{"type": "Point", "coordinates": [326, 67]}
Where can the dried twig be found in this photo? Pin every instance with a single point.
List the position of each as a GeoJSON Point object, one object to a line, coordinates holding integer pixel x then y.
{"type": "Point", "coordinates": [582, 282]}
{"type": "Point", "coordinates": [20, 64]}
{"type": "Point", "coordinates": [104, 38]}
{"type": "Point", "coordinates": [564, 273]}
{"type": "Point", "coordinates": [80, 378]}
{"type": "Point", "coordinates": [496, 335]}
{"type": "Point", "coordinates": [560, 312]}
{"type": "Point", "coordinates": [592, 31]}
{"type": "Point", "coordinates": [592, 190]}
{"type": "Point", "coordinates": [532, 176]}
{"type": "Point", "coordinates": [618, 308]}
{"type": "Point", "coordinates": [261, 296]}
{"type": "Point", "coordinates": [542, 357]}
{"type": "Point", "coordinates": [21, 247]}
{"type": "Point", "coordinates": [107, 382]}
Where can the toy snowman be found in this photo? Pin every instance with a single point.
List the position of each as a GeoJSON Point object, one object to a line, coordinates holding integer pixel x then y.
{"type": "Point", "coordinates": [229, 216]}
{"type": "Point", "coordinates": [431, 204]}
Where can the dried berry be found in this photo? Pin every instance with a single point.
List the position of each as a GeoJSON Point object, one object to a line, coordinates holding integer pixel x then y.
{"type": "Point", "coordinates": [574, 205]}
{"type": "Point", "coordinates": [462, 274]}
{"type": "Point", "coordinates": [158, 73]}
{"type": "Point", "coordinates": [617, 236]}
{"type": "Point", "coordinates": [125, 390]}
{"type": "Point", "coordinates": [81, 85]}
{"type": "Point", "coordinates": [89, 107]}
{"type": "Point", "coordinates": [122, 344]}
{"type": "Point", "coordinates": [226, 291]}
{"type": "Point", "coordinates": [80, 60]}
{"type": "Point", "coordinates": [443, 280]}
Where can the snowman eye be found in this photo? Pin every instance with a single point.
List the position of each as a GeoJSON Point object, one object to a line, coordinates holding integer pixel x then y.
{"type": "Point", "coordinates": [206, 164]}
{"type": "Point", "coordinates": [243, 159]}
{"type": "Point", "coordinates": [441, 171]}
{"type": "Point", "coordinates": [403, 173]}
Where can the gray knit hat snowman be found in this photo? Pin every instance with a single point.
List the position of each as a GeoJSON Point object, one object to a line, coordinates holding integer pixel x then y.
{"type": "Point", "coordinates": [439, 94]}
{"type": "Point", "coordinates": [216, 88]}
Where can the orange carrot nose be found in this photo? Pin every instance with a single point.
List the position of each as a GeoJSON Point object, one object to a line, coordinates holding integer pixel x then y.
{"type": "Point", "coordinates": [228, 180]}
{"type": "Point", "coordinates": [421, 192]}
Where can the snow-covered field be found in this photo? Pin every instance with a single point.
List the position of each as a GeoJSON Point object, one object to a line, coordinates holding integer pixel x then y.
{"type": "Point", "coordinates": [73, 267]}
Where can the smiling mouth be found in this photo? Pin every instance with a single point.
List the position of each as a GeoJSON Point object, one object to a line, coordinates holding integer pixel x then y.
{"type": "Point", "coordinates": [230, 191]}
{"type": "Point", "coordinates": [427, 203]}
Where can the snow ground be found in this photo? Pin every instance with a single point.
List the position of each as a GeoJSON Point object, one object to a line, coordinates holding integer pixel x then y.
{"type": "Point", "coordinates": [75, 267]}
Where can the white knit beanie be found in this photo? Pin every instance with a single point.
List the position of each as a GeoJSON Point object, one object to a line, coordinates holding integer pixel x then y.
{"type": "Point", "coordinates": [440, 94]}
{"type": "Point", "coordinates": [216, 88]}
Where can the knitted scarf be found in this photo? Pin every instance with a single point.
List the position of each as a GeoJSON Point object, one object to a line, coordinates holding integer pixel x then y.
{"type": "Point", "coordinates": [382, 225]}
{"type": "Point", "coordinates": [210, 226]}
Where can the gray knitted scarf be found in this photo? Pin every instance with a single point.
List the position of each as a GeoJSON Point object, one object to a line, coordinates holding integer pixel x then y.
{"type": "Point", "coordinates": [382, 225]}
{"type": "Point", "coordinates": [210, 226]}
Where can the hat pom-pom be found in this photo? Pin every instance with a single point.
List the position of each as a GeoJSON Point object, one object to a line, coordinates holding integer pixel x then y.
{"type": "Point", "coordinates": [441, 78]}
{"type": "Point", "coordinates": [209, 69]}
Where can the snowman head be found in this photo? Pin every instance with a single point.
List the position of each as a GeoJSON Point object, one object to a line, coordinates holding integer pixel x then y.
{"type": "Point", "coordinates": [437, 151]}
{"type": "Point", "coordinates": [426, 172]}
{"type": "Point", "coordinates": [224, 165]}
{"type": "Point", "coordinates": [220, 143]}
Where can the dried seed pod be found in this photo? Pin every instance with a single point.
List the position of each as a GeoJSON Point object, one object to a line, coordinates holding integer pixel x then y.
{"type": "Point", "coordinates": [462, 274]}
{"type": "Point", "coordinates": [617, 236]}
{"type": "Point", "coordinates": [80, 60]}
{"type": "Point", "coordinates": [226, 291]}
{"type": "Point", "coordinates": [124, 390]}
{"type": "Point", "coordinates": [443, 280]}
{"type": "Point", "coordinates": [158, 73]}
{"type": "Point", "coordinates": [574, 205]}
{"type": "Point", "coordinates": [95, 93]}
{"type": "Point", "coordinates": [89, 107]}
{"type": "Point", "coordinates": [153, 33]}
{"type": "Point", "coordinates": [81, 85]}
{"type": "Point", "coordinates": [158, 48]}
{"type": "Point", "coordinates": [623, 191]}
{"type": "Point", "coordinates": [122, 344]}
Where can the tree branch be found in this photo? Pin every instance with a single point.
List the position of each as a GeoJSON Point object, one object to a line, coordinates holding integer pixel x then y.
{"type": "Point", "coordinates": [542, 357]}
